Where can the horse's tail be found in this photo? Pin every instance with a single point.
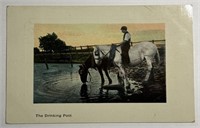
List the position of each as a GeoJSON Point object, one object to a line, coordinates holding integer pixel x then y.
{"type": "Point", "coordinates": [157, 57]}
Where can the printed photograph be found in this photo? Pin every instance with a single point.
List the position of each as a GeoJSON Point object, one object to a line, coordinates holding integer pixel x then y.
{"type": "Point", "coordinates": [99, 63]}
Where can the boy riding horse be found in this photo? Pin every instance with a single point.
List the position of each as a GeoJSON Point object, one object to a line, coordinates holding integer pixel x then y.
{"type": "Point", "coordinates": [125, 45]}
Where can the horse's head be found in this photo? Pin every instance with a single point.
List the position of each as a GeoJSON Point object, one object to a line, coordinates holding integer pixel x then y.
{"type": "Point", "coordinates": [83, 72]}
{"type": "Point", "coordinates": [83, 69]}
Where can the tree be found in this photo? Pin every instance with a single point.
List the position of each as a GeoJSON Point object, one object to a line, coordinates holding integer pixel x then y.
{"type": "Point", "coordinates": [59, 46]}
{"type": "Point", "coordinates": [36, 50]}
{"type": "Point", "coordinates": [51, 43]}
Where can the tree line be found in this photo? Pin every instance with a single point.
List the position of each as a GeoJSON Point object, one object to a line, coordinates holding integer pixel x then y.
{"type": "Point", "coordinates": [50, 43]}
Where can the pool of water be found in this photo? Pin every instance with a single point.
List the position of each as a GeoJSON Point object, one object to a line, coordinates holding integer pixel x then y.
{"type": "Point", "coordinates": [61, 83]}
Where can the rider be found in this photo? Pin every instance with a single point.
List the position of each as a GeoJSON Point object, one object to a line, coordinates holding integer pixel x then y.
{"type": "Point", "coordinates": [125, 45]}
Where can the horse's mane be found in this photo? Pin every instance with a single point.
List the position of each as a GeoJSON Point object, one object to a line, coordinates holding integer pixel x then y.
{"type": "Point", "coordinates": [106, 48]}
{"type": "Point", "coordinates": [89, 62]}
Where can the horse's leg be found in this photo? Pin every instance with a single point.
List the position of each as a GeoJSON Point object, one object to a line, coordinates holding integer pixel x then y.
{"type": "Point", "coordinates": [101, 74]}
{"type": "Point", "coordinates": [106, 72]}
{"type": "Point", "coordinates": [122, 75]}
{"type": "Point", "coordinates": [102, 79]}
{"type": "Point", "coordinates": [149, 70]}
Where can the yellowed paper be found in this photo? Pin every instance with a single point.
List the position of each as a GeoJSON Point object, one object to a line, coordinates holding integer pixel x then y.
{"type": "Point", "coordinates": [179, 65]}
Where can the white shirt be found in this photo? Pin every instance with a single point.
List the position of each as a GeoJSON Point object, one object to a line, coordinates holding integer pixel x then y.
{"type": "Point", "coordinates": [127, 37]}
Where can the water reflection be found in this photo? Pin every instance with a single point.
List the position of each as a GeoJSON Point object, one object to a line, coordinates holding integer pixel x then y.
{"type": "Point", "coordinates": [62, 84]}
{"type": "Point", "coordinates": [84, 90]}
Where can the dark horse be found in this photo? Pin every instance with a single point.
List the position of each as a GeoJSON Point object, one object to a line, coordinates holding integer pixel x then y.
{"type": "Point", "coordinates": [90, 63]}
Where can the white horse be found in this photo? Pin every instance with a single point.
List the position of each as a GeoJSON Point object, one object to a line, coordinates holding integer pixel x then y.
{"type": "Point", "coordinates": [137, 53]}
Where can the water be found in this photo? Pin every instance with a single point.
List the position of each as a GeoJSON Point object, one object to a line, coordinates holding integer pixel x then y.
{"type": "Point", "coordinates": [61, 83]}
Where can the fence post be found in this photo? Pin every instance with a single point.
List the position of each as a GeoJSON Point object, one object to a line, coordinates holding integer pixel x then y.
{"type": "Point", "coordinates": [70, 54]}
{"type": "Point", "coordinates": [76, 51]}
{"type": "Point", "coordinates": [45, 61]}
{"type": "Point", "coordinates": [71, 60]}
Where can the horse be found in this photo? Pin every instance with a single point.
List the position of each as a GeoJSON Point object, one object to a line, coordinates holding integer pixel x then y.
{"type": "Point", "coordinates": [104, 56]}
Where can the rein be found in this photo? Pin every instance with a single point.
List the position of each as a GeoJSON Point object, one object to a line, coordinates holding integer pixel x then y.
{"type": "Point", "coordinates": [90, 77]}
{"type": "Point", "coordinates": [104, 55]}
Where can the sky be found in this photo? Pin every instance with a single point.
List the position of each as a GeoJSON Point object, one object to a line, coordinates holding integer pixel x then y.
{"type": "Point", "coordinates": [94, 34]}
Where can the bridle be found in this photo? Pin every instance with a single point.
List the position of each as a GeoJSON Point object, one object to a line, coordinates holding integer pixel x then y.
{"type": "Point", "coordinates": [105, 54]}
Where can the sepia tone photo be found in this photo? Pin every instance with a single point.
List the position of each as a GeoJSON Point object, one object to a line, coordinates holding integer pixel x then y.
{"type": "Point", "coordinates": [99, 63]}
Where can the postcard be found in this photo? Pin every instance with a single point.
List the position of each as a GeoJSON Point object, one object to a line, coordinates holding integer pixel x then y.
{"type": "Point", "coordinates": [87, 64]}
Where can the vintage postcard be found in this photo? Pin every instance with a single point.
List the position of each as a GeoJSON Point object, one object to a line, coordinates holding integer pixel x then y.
{"type": "Point", "coordinates": [78, 64]}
